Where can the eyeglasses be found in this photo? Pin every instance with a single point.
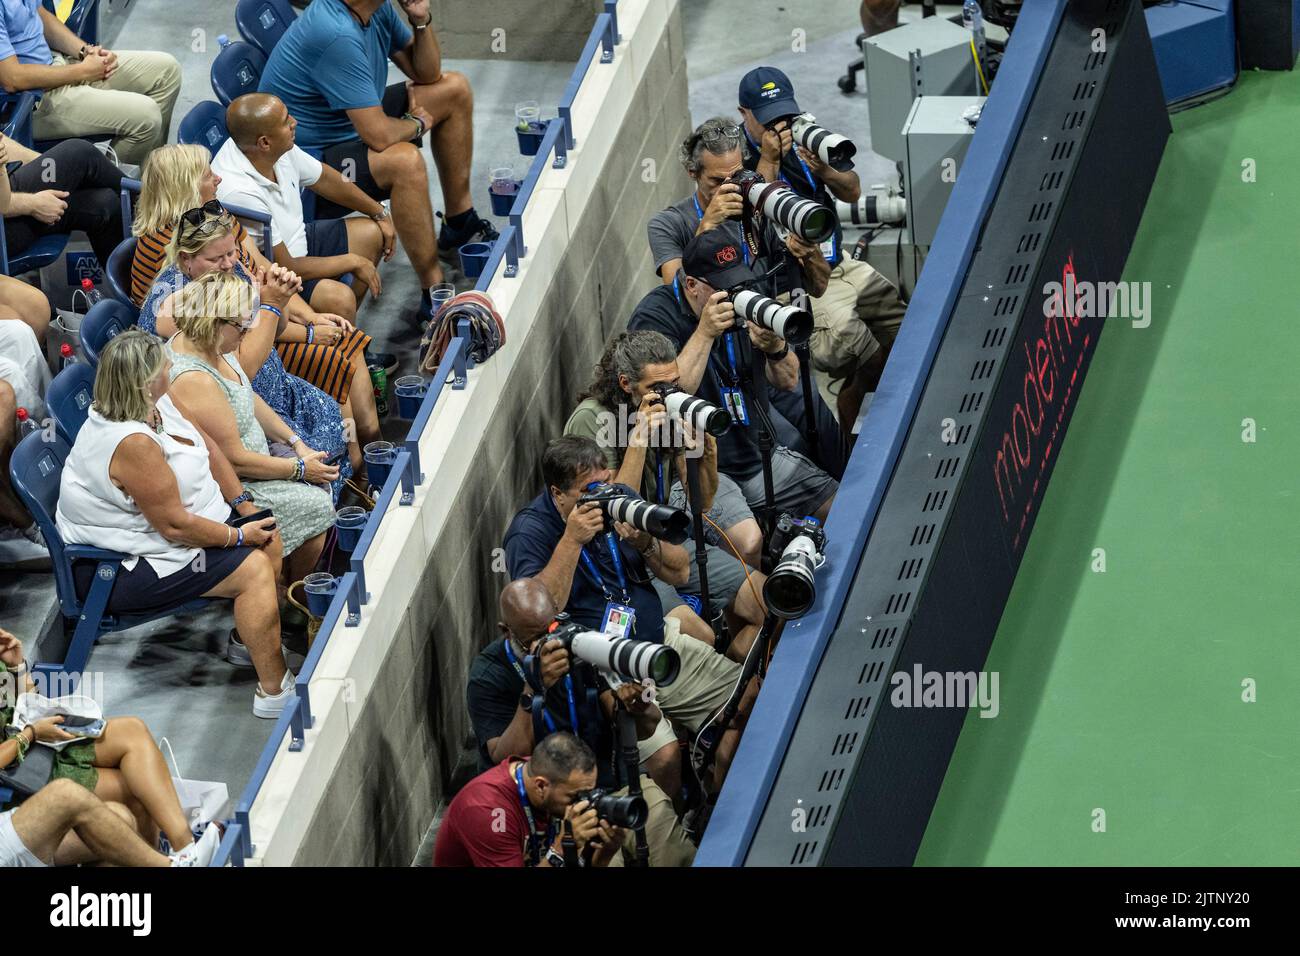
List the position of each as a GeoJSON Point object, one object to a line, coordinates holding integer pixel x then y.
{"type": "Point", "coordinates": [206, 218]}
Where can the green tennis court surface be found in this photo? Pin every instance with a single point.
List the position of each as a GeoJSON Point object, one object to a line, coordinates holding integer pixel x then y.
{"type": "Point", "coordinates": [1122, 691]}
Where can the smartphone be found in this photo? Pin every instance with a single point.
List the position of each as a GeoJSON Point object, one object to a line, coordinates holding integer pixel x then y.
{"type": "Point", "coordinates": [336, 457]}
{"type": "Point", "coordinates": [82, 726]}
{"type": "Point", "coordinates": [75, 720]}
{"type": "Point", "coordinates": [253, 518]}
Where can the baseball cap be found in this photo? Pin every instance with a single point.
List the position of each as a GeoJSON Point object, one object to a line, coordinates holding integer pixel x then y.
{"type": "Point", "coordinates": [717, 258]}
{"type": "Point", "coordinates": [766, 92]}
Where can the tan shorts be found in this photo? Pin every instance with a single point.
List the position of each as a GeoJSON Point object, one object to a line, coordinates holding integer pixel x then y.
{"type": "Point", "coordinates": [857, 315]}
{"type": "Point", "coordinates": [664, 836]}
{"type": "Point", "coordinates": [702, 686]}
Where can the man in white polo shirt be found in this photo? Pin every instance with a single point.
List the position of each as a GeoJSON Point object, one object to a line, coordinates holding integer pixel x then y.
{"type": "Point", "coordinates": [262, 169]}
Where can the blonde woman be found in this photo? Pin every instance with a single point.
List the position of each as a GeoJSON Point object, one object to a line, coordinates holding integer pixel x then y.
{"type": "Point", "coordinates": [178, 178]}
{"type": "Point", "coordinates": [213, 313]}
{"type": "Point", "coordinates": [144, 479]}
{"type": "Point", "coordinates": [205, 242]}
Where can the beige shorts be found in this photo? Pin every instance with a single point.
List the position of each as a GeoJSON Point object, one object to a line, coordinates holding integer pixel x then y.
{"type": "Point", "coordinates": [857, 315]}
{"type": "Point", "coordinates": [703, 684]}
{"type": "Point", "coordinates": [664, 836]}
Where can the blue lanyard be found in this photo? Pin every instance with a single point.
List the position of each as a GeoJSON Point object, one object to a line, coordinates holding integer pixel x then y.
{"type": "Point", "coordinates": [534, 848]}
{"type": "Point", "coordinates": [659, 477]}
{"type": "Point", "coordinates": [594, 570]}
{"type": "Point", "coordinates": [812, 183]}
{"type": "Point", "coordinates": [699, 213]}
{"type": "Point", "coordinates": [568, 689]}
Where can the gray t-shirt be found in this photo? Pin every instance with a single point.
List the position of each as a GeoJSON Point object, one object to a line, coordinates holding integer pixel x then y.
{"type": "Point", "coordinates": [671, 229]}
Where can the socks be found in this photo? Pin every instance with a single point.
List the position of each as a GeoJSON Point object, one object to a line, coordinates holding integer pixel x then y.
{"type": "Point", "coordinates": [458, 222]}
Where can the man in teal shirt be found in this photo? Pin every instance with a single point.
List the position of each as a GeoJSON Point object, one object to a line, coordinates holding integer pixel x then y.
{"type": "Point", "coordinates": [331, 70]}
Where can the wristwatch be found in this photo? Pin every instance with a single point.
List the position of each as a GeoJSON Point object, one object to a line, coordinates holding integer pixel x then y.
{"type": "Point", "coordinates": [778, 356]}
{"type": "Point", "coordinates": [383, 213]}
{"type": "Point", "coordinates": [526, 701]}
{"type": "Point", "coordinates": [553, 858]}
{"type": "Point", "coordinates": [425, 24]}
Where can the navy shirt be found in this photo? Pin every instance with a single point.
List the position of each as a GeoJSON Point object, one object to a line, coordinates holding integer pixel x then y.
{"type": "Point", "coordinates": [327, 63]}
{"type": "Point", "coordinates": [530, 543]}
{"type": "Point", "coordinates": [799, 177]}
{"type": "Point", "coordinates": [738, 454]}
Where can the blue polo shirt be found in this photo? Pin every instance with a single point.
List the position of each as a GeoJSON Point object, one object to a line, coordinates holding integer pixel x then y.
{"type": "Point", "coordinates": [327, 63]}
{"type": "Point", "coordinates": [530, 542]}
{"type": "Point", "coordinates": [21, 32]}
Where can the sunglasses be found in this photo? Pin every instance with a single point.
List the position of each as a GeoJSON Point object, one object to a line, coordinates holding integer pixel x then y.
{"type": "Point", "coordinates": [206, 217]}
{"type": "Point", "coordinates": [714, 134]}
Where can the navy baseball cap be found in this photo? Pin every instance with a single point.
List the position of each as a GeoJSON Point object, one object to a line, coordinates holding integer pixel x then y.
{"type": "Point", "coordinates": [766, 92]}
{"type": "Point", "coordinates": [717, 258]}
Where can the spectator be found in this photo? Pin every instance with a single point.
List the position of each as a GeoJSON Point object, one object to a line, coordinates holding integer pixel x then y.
{"type": "Point", "coordinates": [700, 324]}
{"type": "Point", "coordinates": [18, 300]}
{"type": "Point", "coordinates": [319, 347]}
{"type": "Point", "coordinates": [213, 314]}
{"type": "Point", "coordinates": [330, 69]}
{"type": "Point", "coordinates": [71, 186]}
{"type": "Point", "coordinates": [878, 16]}
{"type": "Point", "coordinates": [123, 765]}
{"type": "Point", "coordinates": [500, 708]}
{"type": "Point", "coordinates": [517, 813]}
{"type": "Point", "coordinates": [552, 535]}
{"type": "Point", "coordinates": [24, 376]}
{"type": "Point", "coordinates": [144, 477]}
{"type": "Point", "coordinates": [633, 363]}
{"type": "Point", "coordinates": [205, 242]}
{"type": "Point", "coordinates": [859, 312]}
{"type": "Point", "coordinates": [88, 90]}
{"type": "Point", "coordinates": [260, 168]}
{"type": "Point", "coordinates": [63, 824]}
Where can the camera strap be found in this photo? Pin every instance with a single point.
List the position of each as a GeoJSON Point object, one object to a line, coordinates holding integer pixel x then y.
{"type": "Point", "coordinates": [535, 839]}
{"type": "Point", "coordinates": [594, 569]}
{"type": "Point", "coordinates": [539, 691]}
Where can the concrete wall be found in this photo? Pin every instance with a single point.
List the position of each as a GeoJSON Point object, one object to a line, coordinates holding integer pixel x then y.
{"type": "Point", "coordinates": [409, 732]}
{"type": "Point", "coordinates": [527, 29]}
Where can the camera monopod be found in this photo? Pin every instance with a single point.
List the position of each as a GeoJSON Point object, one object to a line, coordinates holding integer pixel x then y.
{"type": "Point", "coordinates": [625, 734]}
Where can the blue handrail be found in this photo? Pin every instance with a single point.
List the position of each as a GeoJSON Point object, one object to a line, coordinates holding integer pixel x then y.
{"type": "Point", "coordinates": [345, 606]}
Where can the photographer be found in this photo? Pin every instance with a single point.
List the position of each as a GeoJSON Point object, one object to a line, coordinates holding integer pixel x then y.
{"type": "Point", "coordinates": [636, 371]}
{"type": "Point", "coordinates": [845, 347]}
{"type": "Point", "coordinates": [529, 803]}
{"type": "Point", "coordinates": [700, 320]}
{"type": "Point", "coordinates": [560, 543]}
{"type": "Point", "coordinates": [500, 698]}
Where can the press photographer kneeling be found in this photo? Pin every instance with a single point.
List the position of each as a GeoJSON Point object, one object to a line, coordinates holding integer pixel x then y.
{"type": "Point", "coordinates": [599, 571]}
{"type": "Point", "coordinates": [526, 684]}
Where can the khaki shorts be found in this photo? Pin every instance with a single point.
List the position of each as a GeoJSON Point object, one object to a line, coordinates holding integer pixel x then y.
{"type": "Point", "coordinates": [857, 315]}
{"type": "Point", "coordinates": [664, 836]}
{"type": "Point", "coordinates": [702, 686]}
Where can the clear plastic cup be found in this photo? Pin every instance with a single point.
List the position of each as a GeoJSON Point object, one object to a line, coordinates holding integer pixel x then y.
{"type": "Point", "coordinates": [379, 456]}
{"type": "Point", "coordinates": [349, 522]}
{"type": "Point", "coordinates": [320, 588]}
{"type": "Point", "coordinates": [528, 115]}
{"type": "Point", "coordinates": [410, 391]}
{"type": "Point", "coordinates": [503, 181]}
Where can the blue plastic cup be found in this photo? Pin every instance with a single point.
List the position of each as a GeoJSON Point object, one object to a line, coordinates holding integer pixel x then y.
{"type": "Point", "coordinates": [503, 202]}
{"type": "Point", "coordinates": [473, 258]}
{"type": "Point", "coordinates": [379, 456]}
{"type": "Point", "coordinates": [320, 588]}
{"type": "Point", "coordinates": [349, 522]}
{"type": "Point", "coordinates": [410, 390]}
{"type": "Point", "coordinates": [530, 139]}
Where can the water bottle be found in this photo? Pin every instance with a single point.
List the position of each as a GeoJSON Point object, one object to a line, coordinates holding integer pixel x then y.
{"type": "Point", "coordinates": [972, 16]}
{"type": "Point", "coordinates": [92, 294]}
{"type": "Point", "coordinates": [66, 356]}
{"type": "Point", "coordinates": [223, 41]}
{"type": "Point", "coordinates": [26, 424]}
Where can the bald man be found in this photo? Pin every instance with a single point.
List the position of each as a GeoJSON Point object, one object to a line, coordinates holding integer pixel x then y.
{"type": "Point", "coordinates": [500, 708]}
{"type": "Point", "coordinates": [262, 169]}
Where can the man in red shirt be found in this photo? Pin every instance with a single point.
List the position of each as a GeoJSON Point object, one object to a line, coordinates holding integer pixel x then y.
{"type": "Point", "coordinates": [507, 816]}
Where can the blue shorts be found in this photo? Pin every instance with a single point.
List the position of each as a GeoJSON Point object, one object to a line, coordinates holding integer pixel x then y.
{"type": "Point", "coordinates": [325, 237]}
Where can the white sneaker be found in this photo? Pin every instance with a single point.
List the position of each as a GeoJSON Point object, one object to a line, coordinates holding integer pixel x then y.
{"type": "Point", "coordinates": [236, 652]}
{"type": "Point", "coordinates": [201, 851]}
{"type": "Point", "coordinates": [23, 548]}
{"type": "Point", "coordinates": [271, 706]}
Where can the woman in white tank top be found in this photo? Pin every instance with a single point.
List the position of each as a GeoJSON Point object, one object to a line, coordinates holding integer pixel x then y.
{"type": "Point", "coordinates": [143, 480]}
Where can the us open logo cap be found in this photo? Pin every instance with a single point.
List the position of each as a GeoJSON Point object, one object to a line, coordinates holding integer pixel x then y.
{"type": "Point", "coordinates": [766, 92]}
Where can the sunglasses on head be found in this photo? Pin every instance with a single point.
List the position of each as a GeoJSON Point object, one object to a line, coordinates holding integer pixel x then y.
{"type": "Point", "coordinates": [714, 134]}
{"type": "Point", "coordinates": [210, 212]}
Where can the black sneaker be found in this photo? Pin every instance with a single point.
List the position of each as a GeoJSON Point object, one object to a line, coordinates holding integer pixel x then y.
{"type": "Point", "coordinates": [385, 360]}
{"type": "Point", "coordinates": [450, 240]}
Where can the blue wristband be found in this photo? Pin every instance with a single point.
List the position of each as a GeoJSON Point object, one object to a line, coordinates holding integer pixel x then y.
{"type": "Point", "coordinates": [239, 542]}
{"type": "Point", "coordinates": [311, 333]}
{"type": "Point", "coordinates": [273, 310]}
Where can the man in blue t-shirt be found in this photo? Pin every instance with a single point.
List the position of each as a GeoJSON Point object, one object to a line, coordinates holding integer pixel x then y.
{"type": "Point", "coordinates": [331, 71]}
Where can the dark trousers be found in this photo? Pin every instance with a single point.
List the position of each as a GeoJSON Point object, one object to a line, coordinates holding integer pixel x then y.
{"type": "Point", "coordinates": [93, 185]}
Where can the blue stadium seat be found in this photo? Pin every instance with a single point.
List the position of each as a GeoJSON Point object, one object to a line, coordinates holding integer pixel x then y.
{"type": "Point", "coordinates": [105, 319]}
{"type": "Point", "coordinates": [263, 22]}
{"type": "Point", "coordinates": [204, 125]}
{"type": "Point", "coordinates": [68, 399]}
{"type": "Point", "coordinates": [16, 115]}
{"type": "Point", "coordinates": [41, 253]}
{"type": "Point", "coordinates": [35, 470]}
{"type": "Point", "coordinates": [237, 70]}
{"type": "Point", "coordinates": [119, 270]}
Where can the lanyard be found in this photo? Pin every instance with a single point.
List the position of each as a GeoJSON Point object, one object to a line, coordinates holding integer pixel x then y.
{"type": "Point", "coordinates": [699, 214]}
{"type": "Point", "coordinates": [659, 477]}
{"type": "Point", "coordinates": [594, 570]}
{"type": "Point", "coordinates": [534, 847]}
{"type": "Point", "coordinates": [812, 183]}
{"type": "Point", "coordinates": [568, 689]}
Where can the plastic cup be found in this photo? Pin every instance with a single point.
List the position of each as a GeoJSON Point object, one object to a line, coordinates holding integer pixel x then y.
{"type": "Point", "coordinates": [440, 295]}
{"type": "Point", "coordinates": [473, 258]}
{"type": "Point", "coordinates": [530, 137]}
{"type": "Point", "coordinates": [410, 390]}
{"type": "Point", "coordinates": [503, 181]}
{"type": "Point", "coordinates": [349, 522]}
{"type": "Point", "coordinates": [320, 588]}
{"type": "Point", "coordinates": [527, 114]}
{"type": "Point", "coordinates": [379, 456]}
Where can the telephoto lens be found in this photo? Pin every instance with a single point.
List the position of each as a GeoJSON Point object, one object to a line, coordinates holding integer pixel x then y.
{"type": "Point", "coordinates": [790, 323]}
{"type": "Point", "coordinates": [661, 521]}
{"type": "Point", "coordinates": [835, 151]}
{"type": "Point", "coordinates": [627, 812]}
{"type": "Point", "coordinates": [686, 407]}
{"type": "Point", "coordinates": [791, 587]}
{"type": "Point", "coordinates": [631, 660]}
{"type": "Point", "coordinates": [809, 220]}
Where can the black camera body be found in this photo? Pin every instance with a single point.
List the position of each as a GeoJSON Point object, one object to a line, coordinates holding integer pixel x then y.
{"type": "Point", "coordinates": [789, 212]}
{"type": "Point", "coordinates": [799, 547]}
{"type": "Point", "coordinates": [661, 521]}
{"type": "Point", "coordinates": [685, 407]}
{"type": "Point", "coordinates": [629, 812]}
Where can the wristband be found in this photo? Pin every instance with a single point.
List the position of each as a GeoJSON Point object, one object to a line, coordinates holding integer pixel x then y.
{"type": "Point", "coordinates": [418, 122]}
{"type": "Point", "coordinates": [228, 531]}
{"type": "Point", "coordinates": [299, 469]}
{"type": "Point", "coordinates": [273, 310]}
{"type": "Point", "coordinates": [311, 333]}
{"type": "Point", "coordinates": [425, 25]}
{"type": "Point", "coordinates": [240, 499]}
{"type": "Point", "coordinates": [778, 356]}
{"type": "Point", "coordinates": [240, 542]}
